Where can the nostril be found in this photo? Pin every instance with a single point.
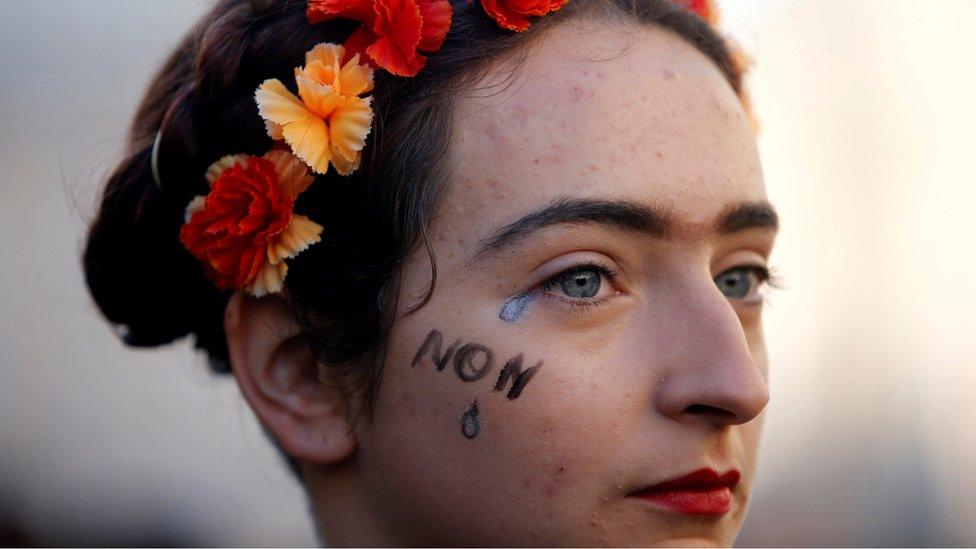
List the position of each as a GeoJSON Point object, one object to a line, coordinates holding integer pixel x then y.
{"type": "Point", "coordinates": [705, 410]}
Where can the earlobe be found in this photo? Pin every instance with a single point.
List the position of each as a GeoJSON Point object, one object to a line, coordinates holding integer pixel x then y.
{"type": "Point", "coordinates": [279, 378]}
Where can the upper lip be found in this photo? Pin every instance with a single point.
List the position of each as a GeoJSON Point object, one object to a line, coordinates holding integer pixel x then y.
{"type": "Point", "coordinates": [702, 479]}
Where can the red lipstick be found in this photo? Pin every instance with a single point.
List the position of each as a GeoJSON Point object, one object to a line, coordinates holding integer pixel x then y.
{"type": "Point", "coordinates": [703, 492]}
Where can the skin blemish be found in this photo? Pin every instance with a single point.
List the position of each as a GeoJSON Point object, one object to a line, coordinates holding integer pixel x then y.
{"type": "Point", "coordinates": [514, 309]}
{"type": "Point", "coordinates": [471, 421]}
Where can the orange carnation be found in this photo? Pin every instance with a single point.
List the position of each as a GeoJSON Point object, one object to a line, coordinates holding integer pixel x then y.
{"type": "Point", "coordinates": [393, 32]}
{"type": "Point", "coordinates": [514, 14]}
{"type": "Point", "coordinates": [245, 228]}
{"type": "Point", "coordinates": [327, 122]}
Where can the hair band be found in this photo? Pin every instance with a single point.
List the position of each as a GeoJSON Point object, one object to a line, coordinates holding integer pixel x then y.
{"type": "Point", "coordinates": [154, 159]}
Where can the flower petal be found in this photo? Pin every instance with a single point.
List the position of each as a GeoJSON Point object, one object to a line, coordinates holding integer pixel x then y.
{"type": "Point", "coordinates": [270, 279]}
{"type": "Point", "coordinates": [397, 25]}
{"type": "Point", "coordinates": [277, 104]}
{"type": "Point", "coordinates": [215, 169]}
{"type": "Point", "coordinates": [321, 99]}
{"type": "Point", "coordinates": [309, 140]}
{"type": "Point", "coordinates": [195, 205]}
{"type": "Point", "coordinates": [349, 125]}
{"type": "Point", "coordinates": [506, 18]}
{"type": "Point", "coordinates": [386, 55]}
{"type": "Point", "coordinates": [343, 166]}
{"type": "Point", "coordinates": [274, 130]}
{"type": "Point", "coordinates": [301, 233]}
{"type": "Point", "coordinates": [437, 15]}
{"type": "Point", "coordinates": [293, 176]}
{"type": "Point", "coordinates": [327, 53]}
{"type": "Point", "coordinates": [358, 41]}
{"type": "Point", "coordinates": [323, 10]}
{"type": "Point", "coordinates": [355, 78]}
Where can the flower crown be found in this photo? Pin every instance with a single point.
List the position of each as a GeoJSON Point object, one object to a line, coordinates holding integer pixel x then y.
{"type": "Point", "coordinates": [245, 228]}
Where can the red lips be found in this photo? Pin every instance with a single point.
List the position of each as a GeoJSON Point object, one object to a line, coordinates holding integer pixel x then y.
{"type": "Point", "coordinates": [703, 492]}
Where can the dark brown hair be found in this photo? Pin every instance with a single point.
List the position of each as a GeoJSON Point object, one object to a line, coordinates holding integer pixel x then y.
{"type": "Point", "coordinates": [345, 289]}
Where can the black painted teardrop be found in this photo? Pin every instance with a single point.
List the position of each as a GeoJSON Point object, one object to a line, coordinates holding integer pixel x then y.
{"type": "Point", "coordinates": [471, 422]}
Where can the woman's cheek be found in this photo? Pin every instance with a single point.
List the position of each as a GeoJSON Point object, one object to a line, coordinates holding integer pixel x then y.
{"type": "Point", "coordinates": [468, 418]}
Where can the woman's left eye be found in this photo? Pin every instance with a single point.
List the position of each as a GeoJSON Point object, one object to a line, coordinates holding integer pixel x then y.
{"type": "Point", "coordinates": [742, 283]}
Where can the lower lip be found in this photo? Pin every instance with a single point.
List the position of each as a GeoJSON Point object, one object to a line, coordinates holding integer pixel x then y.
{"type": "Point", "coordinates": [714, 501]}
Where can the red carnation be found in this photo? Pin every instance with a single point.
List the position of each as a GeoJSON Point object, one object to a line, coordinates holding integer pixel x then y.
{"type": "Point", "coordinates": [393, 32]}
{"type": "Point", "coordinates": [244, 210]}
{"type": "Point", "coordinates": [514, 14]}
{"type": "Point", "coordinates": [704, 8]}
{"type": "Point", "coordinates": [244, 228]}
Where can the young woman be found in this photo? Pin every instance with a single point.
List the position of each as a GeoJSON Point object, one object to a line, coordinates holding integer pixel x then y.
{"type": "Point", "coordinates": [502, 286]}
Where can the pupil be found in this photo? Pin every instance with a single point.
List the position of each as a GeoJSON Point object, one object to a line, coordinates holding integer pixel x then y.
{"type": "Point", "coordinates": [582, 284]}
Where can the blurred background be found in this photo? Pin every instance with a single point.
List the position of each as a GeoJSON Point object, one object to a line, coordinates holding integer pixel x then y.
{"type": "Point", "coordinates": [868, 114]}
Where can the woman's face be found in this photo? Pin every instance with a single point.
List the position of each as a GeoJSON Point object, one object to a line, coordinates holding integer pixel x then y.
{"type": "Point", "coordinates": [595, 328]}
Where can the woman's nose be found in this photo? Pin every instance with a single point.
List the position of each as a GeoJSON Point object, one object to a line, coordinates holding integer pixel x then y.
{"type": "Point", "coordinates": [710, 375]}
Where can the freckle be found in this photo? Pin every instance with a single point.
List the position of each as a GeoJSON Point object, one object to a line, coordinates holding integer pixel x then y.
{"type": "Point", "coordinates": [535, 160]}
{"type": "Point", "coordinates": [659, 154]}
{"type": "Point", "coordinates": [668, 75]}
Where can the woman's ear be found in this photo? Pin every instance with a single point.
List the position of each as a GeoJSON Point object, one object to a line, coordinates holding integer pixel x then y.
{"type": "Point", "coordinates": [279, 379]}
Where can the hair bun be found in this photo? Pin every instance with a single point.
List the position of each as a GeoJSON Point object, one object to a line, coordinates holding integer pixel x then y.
{"type": "Point", "coordinates": [141, 278]}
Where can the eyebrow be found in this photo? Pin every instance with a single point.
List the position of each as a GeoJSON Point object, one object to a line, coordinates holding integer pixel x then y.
{"type": "Point", "coordinates": [621, 214]}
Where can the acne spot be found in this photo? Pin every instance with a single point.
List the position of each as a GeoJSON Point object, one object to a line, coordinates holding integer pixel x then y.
{"type": "Point", "coordinates": [471, 421]}
{"type": "Point", "coordinates": [576, 93]}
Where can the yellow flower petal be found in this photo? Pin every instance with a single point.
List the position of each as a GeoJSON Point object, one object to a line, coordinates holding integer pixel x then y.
{"type": "Point", "coordinates": [328, 54]}
{"type": "Point", "coordinates": [343, 166]}
{"type": "Point", "coordinates": [277, 104]}
{"type": "Point", "coordinates": [309, 140]}
{"type": "Point", "coordinates": [293, 174]}
{"type": "Point", "coordinates": [300, 233]}
{"type": "Point", "coordinates": [213, 171]}
{"type": "Point", "coordinates": [274, 130]}
{"type": "Point", "coordinates": [355, 79]}
{"type": "Point", "coordinates": [269, 280]}
{"type": "Point", "coordinates": [318, 98]}
{"type": "Point", "coordinates": [349, 125]}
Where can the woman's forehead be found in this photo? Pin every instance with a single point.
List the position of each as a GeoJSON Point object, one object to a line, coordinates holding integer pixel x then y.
{"type": "Point", "coordinates": [602, 111]}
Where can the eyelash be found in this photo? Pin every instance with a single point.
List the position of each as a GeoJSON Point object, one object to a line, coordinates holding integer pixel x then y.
{"type": "Point", "coordinates": [765, 276]}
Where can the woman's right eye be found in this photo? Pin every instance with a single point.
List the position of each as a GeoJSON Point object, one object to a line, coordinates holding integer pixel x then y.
{"type": "Point", "coordinates": [580, 284]}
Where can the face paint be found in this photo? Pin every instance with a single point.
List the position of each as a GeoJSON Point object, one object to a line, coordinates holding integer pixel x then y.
{"type": "Point", "coordinates": [514, 309]}
{"type": "Point", "coordinates": [473, 362]}
{"type": "Point", "coordinates": [471, 422]}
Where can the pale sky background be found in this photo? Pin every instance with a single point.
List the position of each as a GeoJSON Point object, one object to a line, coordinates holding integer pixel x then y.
{"type": "Point", "coordinates": [867, 141]}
